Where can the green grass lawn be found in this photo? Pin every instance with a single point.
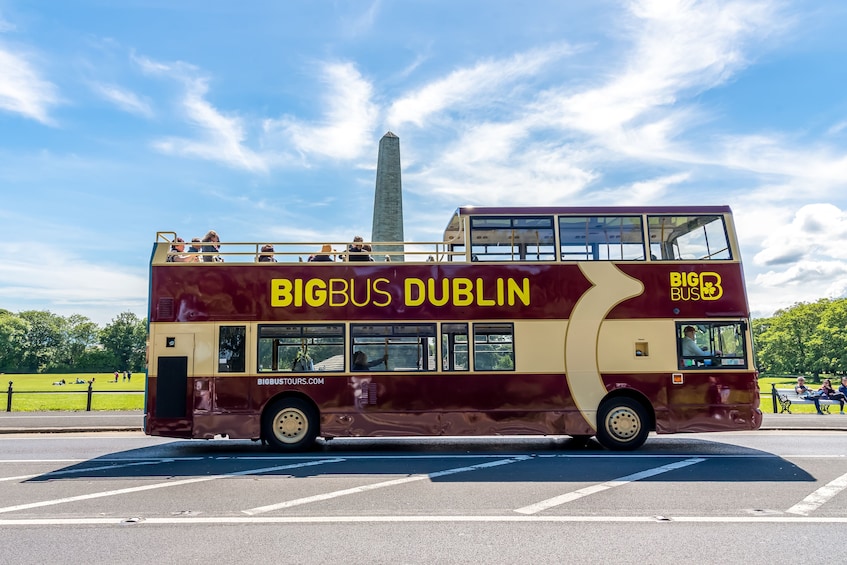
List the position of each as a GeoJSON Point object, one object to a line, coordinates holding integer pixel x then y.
{"type": "Point", "coordinates": [106, 395]}
{"type": "Point", "coordinates": [29, 392]}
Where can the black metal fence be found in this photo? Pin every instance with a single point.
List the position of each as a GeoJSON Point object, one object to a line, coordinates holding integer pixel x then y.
{"type": "Point", "coordinates": [89, 392]}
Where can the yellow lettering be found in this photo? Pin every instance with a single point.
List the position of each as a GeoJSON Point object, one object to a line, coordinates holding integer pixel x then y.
{"type": "Point", "coordinates": [414, 292]}
{"type": "Point", "coordinates": [315, 292]}
{"type": "Point", "coordinates": [381, 291]}
{"type": "Point", "coordinates": [462, 295]}
{"type": "Point", "coordinates": [676, 279]}
{"type": "Point", "coordinates": [480, 298]}
{"type": "Point", "coordinates": [445, 292]}
{"type": "Point", "coordinates": [342, 292]}
{"type": "Point", "coordinates": [521, 292]}
{"type": "Point", "coordinates": [281, 292]}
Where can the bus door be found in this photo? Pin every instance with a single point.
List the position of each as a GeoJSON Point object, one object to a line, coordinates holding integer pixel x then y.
{"type": "Point", "coordinates": [172, 370]}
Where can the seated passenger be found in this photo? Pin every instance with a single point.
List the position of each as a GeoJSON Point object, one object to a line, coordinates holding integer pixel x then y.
{"type": "Point", "coordinates": [355, 251]}
{"type": "Point", "coordinates": [361, 363]}
{"type": "Point", "coordinates": [267, 254]}
{"type": "Point", "coordinates": [324, 255]}
{"type": "Point", "coordinates": [212, 245]}
{"type": "Point", "coordinates": [177, 254]}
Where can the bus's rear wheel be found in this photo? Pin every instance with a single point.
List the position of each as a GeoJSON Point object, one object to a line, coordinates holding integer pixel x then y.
{"type": "Point", "coordinates": [290, 424]}
{"type": "Point", "coordinates": [622, 424]}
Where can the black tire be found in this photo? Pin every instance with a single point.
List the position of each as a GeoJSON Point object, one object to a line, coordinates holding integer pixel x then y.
{"type": "Point", "coordinates": [290, 424]}
{"type": "Point", "coordinates": [622, 424]}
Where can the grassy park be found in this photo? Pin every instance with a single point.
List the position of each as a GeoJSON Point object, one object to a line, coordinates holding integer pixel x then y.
{"type": "Point", "coordinates": [29, 392]}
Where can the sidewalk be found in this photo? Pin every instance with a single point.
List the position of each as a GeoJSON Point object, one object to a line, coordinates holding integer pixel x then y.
{"type": "Point", "coordinates": [131, 421]}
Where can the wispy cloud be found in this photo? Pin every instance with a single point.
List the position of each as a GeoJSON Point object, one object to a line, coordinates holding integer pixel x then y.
{"type": "Point", "coordinates": [23, 90]}
{"type": "Point", "coordinates": [476, 86]}
{"type": "Point", "coordinates": [124, 99]}
{"type": "Point", "coordinates": [346, 129]}
{"type": "Point", "coordinates": [221, 138]}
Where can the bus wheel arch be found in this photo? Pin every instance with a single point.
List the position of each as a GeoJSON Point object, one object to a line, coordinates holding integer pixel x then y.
{"type": "Point", "coordinates": [290, 422]}
{"type": "Point", "coordinates": [624, 419]}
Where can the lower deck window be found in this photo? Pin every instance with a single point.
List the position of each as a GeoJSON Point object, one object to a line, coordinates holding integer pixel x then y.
{"type": "Point", "coordinates": [712, 344]}
{"type": "Point", "coordinates": [301, 348]}
{"type": "Point", "coordinates": [393, 347]}
{"type": "Point", "coordinates": [494, 347]}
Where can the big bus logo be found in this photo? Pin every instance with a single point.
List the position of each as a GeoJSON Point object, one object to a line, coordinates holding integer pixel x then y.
{"type": "Point", "coordinates": [695, 286]}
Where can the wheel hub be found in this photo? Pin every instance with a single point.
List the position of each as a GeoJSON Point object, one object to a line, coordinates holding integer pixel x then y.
{"type": "Point", "coordinates": [623, 423]}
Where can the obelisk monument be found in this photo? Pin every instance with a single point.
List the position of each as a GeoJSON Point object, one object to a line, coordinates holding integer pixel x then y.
{"type": "Point", "coordinates": [388, 200]}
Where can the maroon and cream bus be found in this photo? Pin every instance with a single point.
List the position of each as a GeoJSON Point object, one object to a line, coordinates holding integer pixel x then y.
{"type": "Point", "coordinates": [609, 322]}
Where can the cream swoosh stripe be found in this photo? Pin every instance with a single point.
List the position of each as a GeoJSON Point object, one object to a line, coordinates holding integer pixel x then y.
{"type": "Point", "coordinates": [610, 287]}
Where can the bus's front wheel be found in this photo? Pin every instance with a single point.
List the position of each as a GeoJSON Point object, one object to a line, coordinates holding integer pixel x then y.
{"type": "Point", "coordinates": [290, 424]}
{"type": "Point", "coordinates": [622, 424]}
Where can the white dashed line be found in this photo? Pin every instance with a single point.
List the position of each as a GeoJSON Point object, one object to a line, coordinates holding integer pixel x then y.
{"type": "Point", "coordinates": [384, 484]}
{"type": "Point", "coordinates": [819, 497]}
{"type": "Point", "coordinates": [577, 494]}
{"type": "Point", "coordinates": [162, 485]}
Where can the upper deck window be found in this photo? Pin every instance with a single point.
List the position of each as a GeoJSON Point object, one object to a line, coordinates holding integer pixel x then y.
{"type": "Point", "coordinates": [520, 238]}
{"type": "Point", "coordinates": [601, 238]}
{"type": "Point", "coordinates": [682, 238]}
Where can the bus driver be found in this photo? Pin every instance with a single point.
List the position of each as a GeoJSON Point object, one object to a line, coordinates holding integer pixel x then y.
{"type": "Point", "coordinates": [689, 345]}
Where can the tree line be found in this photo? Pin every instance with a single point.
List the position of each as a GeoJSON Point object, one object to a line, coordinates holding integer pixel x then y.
{"type": "Point", "coordinates": [806, 338]}
{"type": "Point", "coordinates": [37, 341]}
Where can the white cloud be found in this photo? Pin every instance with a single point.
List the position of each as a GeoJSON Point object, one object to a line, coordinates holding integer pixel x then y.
{"type": "Point", "coordinates": [817, 230]}
{"type": "Point", "coordinates": [124, 99]}
{"type": "Point", "coordinates": [346, 130]}
{"type": "Point", "coordinates": [23, 90]}
{"type": "Point", "coordinates": [37, 278]}
{"type": "Point", "coordinates": [476, 86]}
{"type": "Point", "coordinates": [221, 137]}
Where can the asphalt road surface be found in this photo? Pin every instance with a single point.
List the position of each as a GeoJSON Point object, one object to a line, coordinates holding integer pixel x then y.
{"type": "Point", "coordinates": [760, 497]}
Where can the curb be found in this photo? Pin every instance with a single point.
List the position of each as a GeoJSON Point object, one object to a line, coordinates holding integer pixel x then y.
{"type": "Point", "coordinates": [89, 429]}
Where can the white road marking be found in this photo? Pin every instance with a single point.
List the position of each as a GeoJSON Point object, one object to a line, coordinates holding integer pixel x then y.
{"type": "Point", "coordinates": [819, 497]}
{"type": "Point", "coordinates": [162, 485]}
{"type": "Point", "coordinates": [192, 521]}
{"type": "Point", "coordinates": [75, 471]}
{"type": "Point", "coordinates": [384, 484]}
{"type": "Point", "coordinates": [577, 494]}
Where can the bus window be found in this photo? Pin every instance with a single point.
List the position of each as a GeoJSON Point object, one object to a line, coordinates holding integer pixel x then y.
{"type": "Point", "coordinates": [493, 347]}
{"type": "Point", "coordinates": [712, 344]}
{"type": "Point", "coordinates": [301, 347]}
{"type": "Point", "coordinates": [232, 343]}
{"type": "Point", "coordinates": [681, 238]}
{"type": "Point", "coordinates": [454, 347]}
{"type": "Point", "coordinates": [409, 347]}
{"type": "Point", "coordinates": [503, 238]}
{"type": "Point", "coordinates": [601, 238]}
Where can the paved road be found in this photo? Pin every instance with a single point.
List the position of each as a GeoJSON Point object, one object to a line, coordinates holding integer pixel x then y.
{"type": "Point", "coordinates": [694, 498]}
{"type": "Point", "coordinates": [42, 422]}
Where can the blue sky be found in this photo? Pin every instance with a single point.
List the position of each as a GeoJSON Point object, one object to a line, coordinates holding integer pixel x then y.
{"type": "Point", "coordinates": [262, 120]}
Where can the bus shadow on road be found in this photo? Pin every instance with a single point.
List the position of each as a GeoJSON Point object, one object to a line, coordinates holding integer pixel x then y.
{"type": "Point", "coordinates": [491, 459]}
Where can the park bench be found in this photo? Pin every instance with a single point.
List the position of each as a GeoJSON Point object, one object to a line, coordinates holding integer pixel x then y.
{"type": "Point", "coordinates": [785, 397]}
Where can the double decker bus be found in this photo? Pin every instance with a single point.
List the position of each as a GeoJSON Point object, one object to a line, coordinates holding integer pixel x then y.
{"type": "Point", "coordinates": [593, 321]}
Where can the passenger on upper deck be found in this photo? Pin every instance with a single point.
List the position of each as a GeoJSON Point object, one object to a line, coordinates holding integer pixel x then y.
{"type": "Point", "coordinates": [267, 255]}
{"type": "Point", "coordinates": [211, 238]}
{"type": "Point", "coordinates": [177, 254]}
{"type": "Point", "coordinates": [356, 251]}
{"type": "Point", "coordinates": [195, 245]}
{"type": "Point", "coordinates": [324, 255]}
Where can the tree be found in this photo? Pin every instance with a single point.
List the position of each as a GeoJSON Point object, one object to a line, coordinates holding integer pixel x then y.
{"type": "Point", "coordinates": [126, 339]}
{"type": "Point", "coordinates": [42, 341]}
{"type": "Point", "coordinates": [12, 331]}
{"type": "Point", "coordinates": [79, 336]}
